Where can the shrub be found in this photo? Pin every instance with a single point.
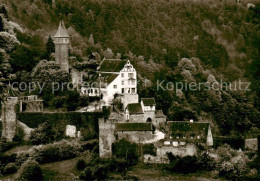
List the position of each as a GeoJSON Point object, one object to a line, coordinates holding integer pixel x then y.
{"type": "Point", "coordinates": [10, 168]}
{"type": "Point", "coordinates": [19, 135]}
{"type": "Point", "coordinates": [81, 164]}
{"type": "Point", "coordinates": [187, 164]}
{"type": "Point", "coordinates": [230, 163]}
{"type": "Point", "coordinates": [149, 149]}
{"type": "Point", "coordinates": [57, 151]}
{"type": "Point", "coordinates": [125, 149]}
{"type": "Point", "coordinates": [30, 170]}
{"type": "Point", "coordinates": [42, 134]}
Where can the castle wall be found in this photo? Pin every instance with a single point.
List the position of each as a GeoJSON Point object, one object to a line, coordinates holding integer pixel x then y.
{"type": "Point", "coordinates": [106, 137]}
{"type": "Point", "coordinates": [135, 136]}
{"type": "Point", "coordinates": [159, 122]}
{"type": "Point", "coordinates": [149, 114]}
{"type": "Point", "coordinates": [129, 99]}
{"type": "Point", "coordinates": [9, 118]}
{"type": "Point", "coordinates": [186, 150]}
{"type": "Point", "coordinates": [136, 118]}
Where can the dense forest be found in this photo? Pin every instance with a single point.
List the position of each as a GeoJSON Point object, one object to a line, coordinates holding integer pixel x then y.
{"type": "Point", "coordinates": [171, 40]}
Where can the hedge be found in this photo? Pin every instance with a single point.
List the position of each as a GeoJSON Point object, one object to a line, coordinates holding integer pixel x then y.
{"type": "Point", "coordinates": [234, 142]}
{"type": "Point", "coordinates": [79, 119]}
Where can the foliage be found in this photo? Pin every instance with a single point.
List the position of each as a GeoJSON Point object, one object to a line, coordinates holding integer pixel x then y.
{"type": "Point", "coordinates": [231, 163]}
{"type": "Point", "coordinates": [30, 170]}
{"type": "Point", "coordinates": [19, 135]}
{"type": "Point", "coordinates": [98, 169]}
{"type": "Point", "coordinates": [57, 151]}
{"type": "Point", "coordinates": [149, 149]}
{"type": "Point", "coordinates": [3, 11]}
{"type": "Point", "coordinates": [125, 150]}
{"type": "Point", "coordinates": [56, 123]}
{"type": "Point", "coordinates": [10, 168]}
{"type": "Point", "coordinates": [50, 47]}
{"type": "Point", "coordinates": [1, 24]}
{"type": "Point", "coordinates": [81, 164]}
{"type": "Point", "coordinates": [42, 134]}
{"type": "Point", "coordinates": [180, 164]}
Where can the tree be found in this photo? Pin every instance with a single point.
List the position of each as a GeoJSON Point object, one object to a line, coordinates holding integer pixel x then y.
{"type": "Point", "coordinates": [1, 24]}
{"type": "Point", "coordinates": [4, 11]}
{"type": "Point", "coordinates": [50, 47]}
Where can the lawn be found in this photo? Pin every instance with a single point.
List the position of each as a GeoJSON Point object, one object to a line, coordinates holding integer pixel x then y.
{"type": "Point", "coordinates": [62, 170]}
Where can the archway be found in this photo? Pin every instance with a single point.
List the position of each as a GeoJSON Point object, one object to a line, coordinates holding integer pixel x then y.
{"type": "Point", "coordinates": [149, 120]}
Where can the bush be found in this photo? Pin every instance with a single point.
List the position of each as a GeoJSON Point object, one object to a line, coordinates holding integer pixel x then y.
{"type": "Point", "coordinates": [187, 164]}
{"type": "Point", "coordinates": [30, 170]}
{"type": "Point", "coordinates": [230, 163]}
{"type": "Point", "coordinates": [126, 150]}
{"type": "Point", "coordinates": [10, 168]}
{"type": "Point", "coordinates": [19, 135]}
{"type": "Point", "coordinates": [57, 151]}
{"type": "Point", "coordinates": [149, 149]}
{"type": "Point", "coordinates": [81, 164]}
{"type": "Point", "coordinates": [42, 134]}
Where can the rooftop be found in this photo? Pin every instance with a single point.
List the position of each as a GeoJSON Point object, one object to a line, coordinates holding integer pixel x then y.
{"type": "Point", "coordinates": [133, 127]}
{"type": "Point", "coordinates": [148, 101]}
{"type": "Point", "coordinates": [112, 65]}
{"type": "Point", "coordinates": [185, 127]}
{"type": "Point", "coordinates": [135, 108]}
{"type": "Point", "coordinates": [159, 114]}
{"type": "Point", "coordinates": [61, 32]}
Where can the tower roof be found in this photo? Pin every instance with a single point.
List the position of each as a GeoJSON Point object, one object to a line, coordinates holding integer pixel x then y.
{"type": "Point", "coordinates": [61, 32]}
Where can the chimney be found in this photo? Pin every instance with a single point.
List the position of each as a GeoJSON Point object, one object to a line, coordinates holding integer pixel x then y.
{"type": "Point", "coordinates": [191, 120]}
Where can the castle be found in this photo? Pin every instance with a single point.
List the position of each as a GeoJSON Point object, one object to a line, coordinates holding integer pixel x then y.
{"type": "Point", "coordinates": [139, 122]}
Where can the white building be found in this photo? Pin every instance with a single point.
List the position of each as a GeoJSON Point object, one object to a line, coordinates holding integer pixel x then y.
{"type": "Point", "coordinates": [116, 76]}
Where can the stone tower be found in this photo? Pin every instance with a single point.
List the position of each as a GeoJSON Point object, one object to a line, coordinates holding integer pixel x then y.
{"type": "Point", "coordinates": [106, 137]}
{"type": "Point", "coordinates": [9, 118]}
{"type": "Point", "coordinates": [61, 41]}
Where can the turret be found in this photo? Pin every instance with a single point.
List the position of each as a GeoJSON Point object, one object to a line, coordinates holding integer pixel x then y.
{"type": "Point", "coordinates": [61, 41]}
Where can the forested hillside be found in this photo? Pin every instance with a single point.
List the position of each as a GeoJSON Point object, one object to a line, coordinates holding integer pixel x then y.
{"type": "Point", "coordinates": [171, 40]}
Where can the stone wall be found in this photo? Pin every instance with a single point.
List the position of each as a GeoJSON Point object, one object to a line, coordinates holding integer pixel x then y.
{"type": "Point", "coordinates": [136, 118]}
{"type": "Point", "coordinates": [155, 159]}
{"type": "Point", "coordinates": [9, 118]}
{"type": "Point", "coordinates": [159, 122]}
{"type": "Point", "coordinates": [135, 136]}
{"type": "Point", "coordinates": [186, 150]}
{"type": "Point", "coordinates": [149, 114]}
{"type": "Point", "coordinates": [129, 99]}
{"type": "Point", "coordinates": [106, 137]}
{"type": "Point", "coordinates": [251, 144]}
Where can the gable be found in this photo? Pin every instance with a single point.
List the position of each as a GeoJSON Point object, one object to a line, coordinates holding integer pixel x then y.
{"type": "Point", "coordinates": [111, 65]}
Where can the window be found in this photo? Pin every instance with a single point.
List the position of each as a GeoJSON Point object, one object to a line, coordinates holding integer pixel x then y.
{"type": "Point", "coordinates": [133, 90]}
{"type": "Point", "coordinates": [115, 86]}
{"type": "Point", "coordinates": [123, 82]}
{"type": "Point", "coordinates": [122, 74]}
{"type": "Point", "coordinates": [133, 82]}
{"type": "Point", "coordinates": [130, 75]}
{"type": "Point", "coordinates": [123, 90]}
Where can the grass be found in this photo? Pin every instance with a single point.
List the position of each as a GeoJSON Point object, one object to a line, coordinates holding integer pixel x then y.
{"type": "Point", "coordinates": [62, 170]}
{"type": "Point", "coordinates": [154, 172]}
